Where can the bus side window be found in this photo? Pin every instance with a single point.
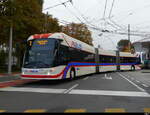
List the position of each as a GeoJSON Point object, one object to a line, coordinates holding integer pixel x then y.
{"type": "Point", "coordinates": [63, 55]}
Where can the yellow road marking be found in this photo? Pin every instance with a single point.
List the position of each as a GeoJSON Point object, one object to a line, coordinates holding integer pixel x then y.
{"type": "Point", "coordinates": [35, 111]}
{"type": "Point", "coordinates": [115, 110]}
{"type": "Point", "coordinates": [2, 111]}
{"type": "Point", "coordinates": [147, 110]}
{"type": "Point", "coordinates": [75, 111]}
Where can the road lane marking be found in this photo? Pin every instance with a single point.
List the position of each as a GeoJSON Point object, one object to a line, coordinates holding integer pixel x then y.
{"type": "Point", "coordinates": [147, 110]}
{"type": "Point", "coordinates": [145, 85]}
{"type": "Point", "coordinates": [75, 111]}
{"type": "Point", "coordinates": [34, 90]}
{"type": "Point", "coordinates": [68, 90]}
{"type": "Point", "coordinates": [141, 89]}
{"type": "Point", "coordinates": [115, 110]}
{"type": "Point", "coordinates": [86, 78]}
{"type": "Point", "coordinates": [137, 81]}
{"type": "Point", "coordinates": [2, 111]}
{"type": "Point", "coordinates": [78, 91]}
{"type": "Point", "coordinates": [110, 93]}
{"type": "Point", "coordinates": [106, 77]}
{"type": "Point", "coordinates": [35, 111]}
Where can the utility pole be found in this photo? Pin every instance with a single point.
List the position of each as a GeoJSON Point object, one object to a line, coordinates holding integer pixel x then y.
{"type": "Point", "coordinates": [118, 59]}
{"type": "Point", "coordinates": [129, 45]}
{"type": "Point", "coordinates": [10, 50]}
{"type": "Point", "coordinates": [46, 22]}
{"type": "Point", "coordinates": [10, 42]}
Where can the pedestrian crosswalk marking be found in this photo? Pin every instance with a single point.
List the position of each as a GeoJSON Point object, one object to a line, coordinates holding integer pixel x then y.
{"type": "Point", "coordinates": [35, 111]}
{"type": "Point", "coordinates": [79, 92]}
{"type": "Point", "coordinates": [115, 110]}
{"type": "Point", "coordinates": [147, 110]}
{"type": "Point", "coordinates": [2, 111]}
{"type": "Point", "coordinates": [75, 111]}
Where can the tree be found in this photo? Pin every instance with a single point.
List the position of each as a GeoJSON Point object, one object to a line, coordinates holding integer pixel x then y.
{"type": "Point", "coordinates": [78, 31]}
{"type": "Point", "coordinates": [27, 19]}
{"type": "Point", "coordinates": [52, 24]}
{"type": "Point", "coordinates": [123, 46]}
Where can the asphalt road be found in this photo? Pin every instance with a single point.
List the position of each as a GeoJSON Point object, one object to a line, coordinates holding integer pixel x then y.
{"type": "Point", "coordinates": [105, 92]}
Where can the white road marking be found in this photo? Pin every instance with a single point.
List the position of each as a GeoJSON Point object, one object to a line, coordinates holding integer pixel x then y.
{"type": "Point", "coordinates": [106, 77]}
{"type": "Point", "coordinates": [137, 81]}
{"type": "Point", "coordinates": [34, 90]}
{"type": "Point", "coordinates": [141, 89]}
{"type": "Point", "coordinates": [110, 93]}
{"type": "Point", "coordinates": [86, 78]}
{"type": "Point", "coordinates": [145, 85]}
{"type": "Point", "coordinates": [73, 91]}
{"type": "Point", "coordinates": [68, 90]}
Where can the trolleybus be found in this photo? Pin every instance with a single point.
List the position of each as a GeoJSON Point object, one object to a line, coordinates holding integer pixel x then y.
{"type": "Point", "coordinates": [59, 56]}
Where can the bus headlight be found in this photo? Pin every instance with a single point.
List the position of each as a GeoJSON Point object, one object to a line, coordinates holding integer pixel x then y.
{"type": "Point", "coordinates": [49, 73]}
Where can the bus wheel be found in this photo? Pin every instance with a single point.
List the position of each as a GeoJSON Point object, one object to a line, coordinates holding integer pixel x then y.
{"type": "Point", "coordinates": [72, 74]}
{"type": "Point", "coordinates": [132, 68]}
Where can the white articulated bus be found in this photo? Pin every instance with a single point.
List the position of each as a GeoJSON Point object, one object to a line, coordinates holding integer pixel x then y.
{"type": "Point", "coordinates": [59, 56]}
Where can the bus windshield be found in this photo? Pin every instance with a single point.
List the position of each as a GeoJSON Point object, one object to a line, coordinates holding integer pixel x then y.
{"type": "Point", "coordinates": [40, 53]}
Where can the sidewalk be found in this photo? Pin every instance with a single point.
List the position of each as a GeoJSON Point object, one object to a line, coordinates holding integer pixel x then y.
{"type": "Point", "coordinates": [13, 80]}
{"type": "Point", "coordinates": [6, 75]}
{"type": "Point", "coordinates": [145, 70]}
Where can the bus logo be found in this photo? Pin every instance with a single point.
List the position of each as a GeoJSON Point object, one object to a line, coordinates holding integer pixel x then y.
{"type": "Point", "coordinates": [76, 45]}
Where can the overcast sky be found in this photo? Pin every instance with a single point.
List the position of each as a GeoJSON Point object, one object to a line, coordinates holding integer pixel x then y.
{"type": "Point", "coordinates": [124, 12]}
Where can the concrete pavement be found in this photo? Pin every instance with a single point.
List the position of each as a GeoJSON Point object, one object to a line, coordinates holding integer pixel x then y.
{"type": "Point", "coordinates": [105, 92]}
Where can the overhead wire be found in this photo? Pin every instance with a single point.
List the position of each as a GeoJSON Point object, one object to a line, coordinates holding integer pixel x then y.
{"type": "Point", "coordinates": [63, 3]}
{"type": "Point", "coordinates": [111, 8]}
{"type": "Point", "coordinates": [84, 18]}
{"type": "Point", "coordinates": [72, 13]}
{"type": "Point", "coordinates": [105, 9]}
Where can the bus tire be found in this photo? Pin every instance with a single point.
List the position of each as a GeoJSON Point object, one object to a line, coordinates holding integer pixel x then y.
{"type": "Point", "coordinates": [72, 73]}
{"type": "Point", "coordinates": [132, 68]}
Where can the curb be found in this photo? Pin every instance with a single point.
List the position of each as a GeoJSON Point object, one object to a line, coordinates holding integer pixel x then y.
{"type": "Point", "coordinates": [15, 83]}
